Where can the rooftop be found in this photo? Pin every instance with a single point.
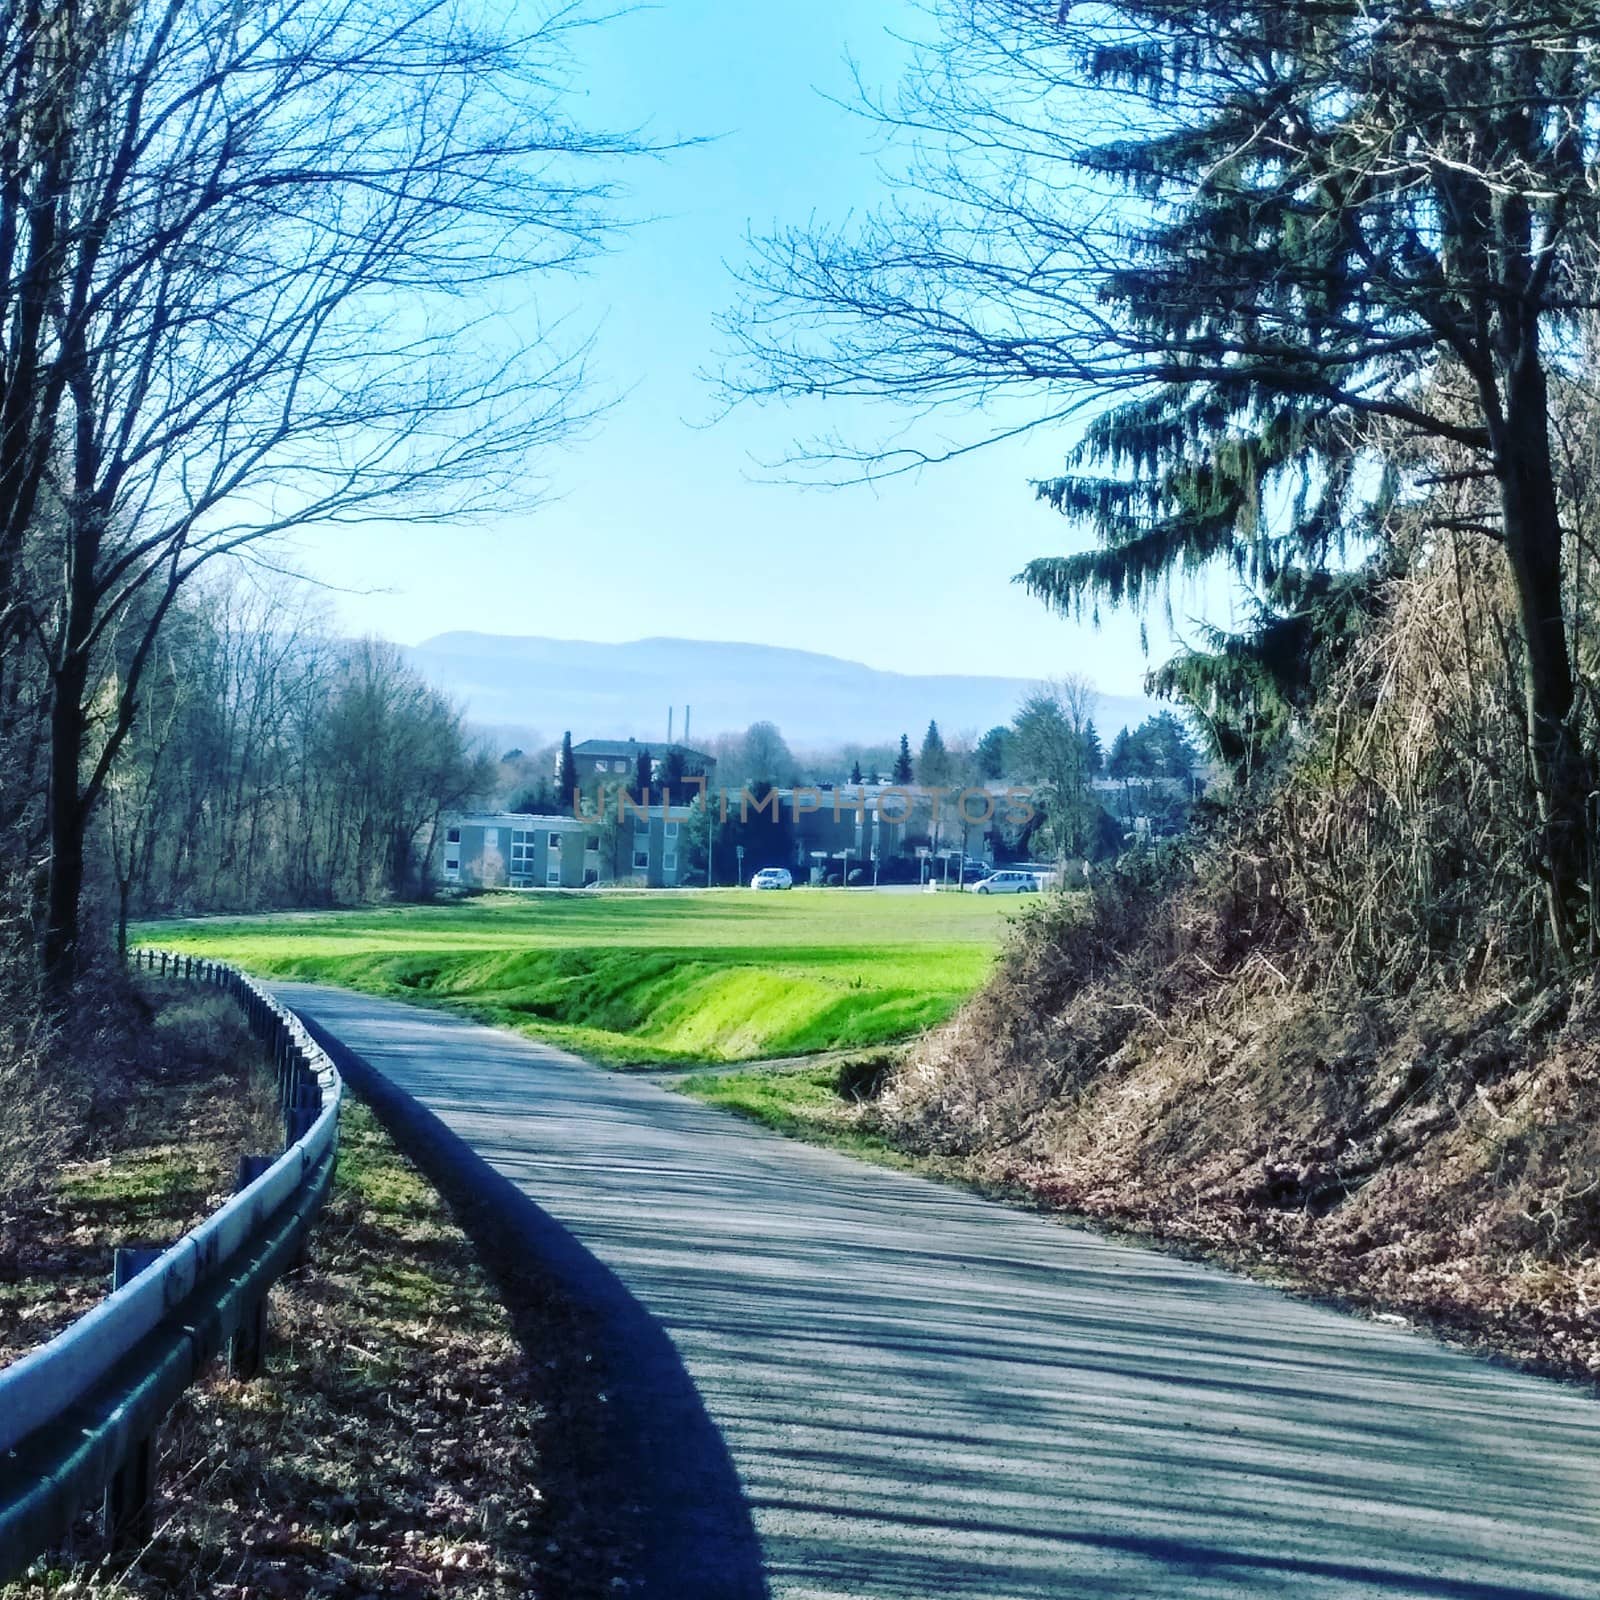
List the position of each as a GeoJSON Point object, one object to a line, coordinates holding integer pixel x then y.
{"type": "Point", "coordinates": [611, 748]}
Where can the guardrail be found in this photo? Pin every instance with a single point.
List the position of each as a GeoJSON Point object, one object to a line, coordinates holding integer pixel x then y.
{"type": "Point", "coordinates": [78, 1416]}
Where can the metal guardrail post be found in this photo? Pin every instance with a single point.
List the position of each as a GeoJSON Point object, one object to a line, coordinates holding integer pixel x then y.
{"type": "Point", "coordinates": [127, 1516]}
{"type": "Point", "coordinates": [248, 1347]}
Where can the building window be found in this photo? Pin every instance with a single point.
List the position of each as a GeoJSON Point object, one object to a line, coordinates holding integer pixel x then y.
{"type": "Point", "coordinates": [491, 838]}
{"type": "Point", "coordinates": [672, 830]}
{"type": "Point", "coordinates": [602, 766]}
{"type": "Point", "coordinates": [522, 848]}
{"type": "Point", "coordinates": [452, 836]}
{"type": "Point", "coordinates": [669, 862]}
{"type": "Point", "coordinates": [555, 841]}
{"type": "Point", "coordinates": [592, 844]}
{"type": "Point", "coordinates": [641, 860]}
{"type": "Point", "coordinates": [553, 877]}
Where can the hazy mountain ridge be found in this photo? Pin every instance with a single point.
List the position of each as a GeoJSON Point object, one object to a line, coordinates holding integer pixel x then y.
{"type": "Point", "coordinates": [545, 686]}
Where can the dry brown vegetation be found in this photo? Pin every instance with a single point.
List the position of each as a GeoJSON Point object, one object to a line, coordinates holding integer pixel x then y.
{"type": "Point", "coordinates": [402, 1441]}
{"type": "Point", "coordinates": [1331, 1037]}
{"type": "Point", "coordinates": [124, 1129]}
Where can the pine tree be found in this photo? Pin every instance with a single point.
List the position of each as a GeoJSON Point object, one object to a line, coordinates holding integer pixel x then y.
{"type": "Point", "coordinates": [1122, 763]}
{"type": "Point", "coordinates": [644, 771]}
{"type": "Point", "coordinates": [1094, 755]}
{"type": "Point", "coordinates": [673, 773]}
{"type": "Point", "coordinates": [933, 761]}
{"type": "Point", "coordinates": [902, 762]}
{"type": "Point", "coordinates": [1350, 237]}
{"type": "Point", "coordinates": [855, 772]}
{"type": "Point", "coordinates": [566, 772]}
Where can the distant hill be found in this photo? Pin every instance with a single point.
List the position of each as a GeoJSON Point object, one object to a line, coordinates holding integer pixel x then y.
{"type": "Point", "coordinates": [529, 687]}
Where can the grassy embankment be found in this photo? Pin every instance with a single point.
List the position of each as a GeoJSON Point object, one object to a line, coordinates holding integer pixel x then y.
{"type": "Point", "coordinates": [646, 979]}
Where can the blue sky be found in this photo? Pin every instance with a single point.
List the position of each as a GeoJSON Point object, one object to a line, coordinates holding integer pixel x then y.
{"type": "Point", "coordinates": [661, 524]}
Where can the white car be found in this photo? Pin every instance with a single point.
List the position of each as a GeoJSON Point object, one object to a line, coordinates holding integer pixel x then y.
{"type": "Point", "coordinates": [772, 878]}
{"type": "Point", "coordinates": [1008, 882]}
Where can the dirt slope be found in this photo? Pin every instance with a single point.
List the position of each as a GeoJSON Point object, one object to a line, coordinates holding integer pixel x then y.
{"type": "Point", "coordinates": [1436, 1153]}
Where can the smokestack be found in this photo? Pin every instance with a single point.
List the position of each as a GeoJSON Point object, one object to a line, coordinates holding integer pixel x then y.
{"type": "Point", "coordinates": [670, 710]}
{"type": "Point", "coordinates": [686, 711]}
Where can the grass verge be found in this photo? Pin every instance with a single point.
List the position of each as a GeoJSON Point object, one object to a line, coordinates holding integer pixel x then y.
{"type": "Point", "coordinates": [633, 979]}
{"type": "Point", "coordinates": [830, 1104]}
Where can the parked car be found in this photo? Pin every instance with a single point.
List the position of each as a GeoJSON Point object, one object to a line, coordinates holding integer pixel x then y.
{"type": "Point", "coordinates": [772, 878]}
{"type": "Point", "coordinates": [1009, 881]}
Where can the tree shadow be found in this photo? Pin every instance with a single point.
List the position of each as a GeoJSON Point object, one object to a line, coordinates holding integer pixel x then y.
{"type": "Point", "coordinates": [649, 1491]}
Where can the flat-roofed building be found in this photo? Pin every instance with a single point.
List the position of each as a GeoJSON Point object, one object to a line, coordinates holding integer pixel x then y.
{"type": "Point", "coordinates": [516, 850]}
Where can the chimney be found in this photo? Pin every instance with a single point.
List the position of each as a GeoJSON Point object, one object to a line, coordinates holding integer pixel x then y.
{"type": "Point", "coordinates": [670, 710]}
{"type": "Point", "coordinates": [686, 711]}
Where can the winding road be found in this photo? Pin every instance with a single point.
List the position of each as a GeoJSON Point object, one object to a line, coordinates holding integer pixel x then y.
{"type": "Point", "coordinates": [843, 1383]}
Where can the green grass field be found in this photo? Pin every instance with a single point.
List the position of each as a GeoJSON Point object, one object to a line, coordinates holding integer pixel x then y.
{"type": "Point", "coordinates": [636, 978]}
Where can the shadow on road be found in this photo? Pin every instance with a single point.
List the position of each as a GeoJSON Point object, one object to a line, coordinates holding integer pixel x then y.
{"type": "Point", "coordinates": [648, 1469]}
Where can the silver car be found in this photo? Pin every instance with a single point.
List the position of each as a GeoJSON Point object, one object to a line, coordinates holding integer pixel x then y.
{"type": "Point", "coordinates": [772, 878]}
{"type": "Point", "coordinates": [1010, 881]}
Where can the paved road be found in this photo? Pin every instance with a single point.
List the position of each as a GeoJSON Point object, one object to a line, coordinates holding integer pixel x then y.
{"type": "Point", "coordinates": [858, 1385]}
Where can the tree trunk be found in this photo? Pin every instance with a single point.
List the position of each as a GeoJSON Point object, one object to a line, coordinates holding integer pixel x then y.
{"type": "Point", "coordinates": [66, 823]}
{"type": "Point", "coordinates": [1533, 547]}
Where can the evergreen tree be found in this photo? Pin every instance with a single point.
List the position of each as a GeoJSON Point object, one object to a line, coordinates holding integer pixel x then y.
{"type": "Point", "coordinates": [1349, 238]}
{"type": "Point", "coordinates": [536, 801]}
{"type": "Point", "coordinates": [672, 775]}
{"type": "Point", "coordinates": [902, 762]}
{"type": "Point", "coordinates": [644, 772]}
{"type": "Point", "coordinates": [990, 755]}
{"type": "Point", "coordinates": [933, 760]}
{"type": "Point", "coordinates": [1050, 746]}
{"type": "Point", "coordinates": [1121, 764]}
{"type": "Point", "coordinates": [566, 772]}
{"type": "Point", "coordinates": [1094, 756]}
{"type": "Point", "coordinates": [1167, 750]}
{"type": "Point", "coordinates": [855, 772]}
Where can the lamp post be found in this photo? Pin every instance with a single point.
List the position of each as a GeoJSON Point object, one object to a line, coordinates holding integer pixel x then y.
{"type": "Point", "coordinates": [738, 852]}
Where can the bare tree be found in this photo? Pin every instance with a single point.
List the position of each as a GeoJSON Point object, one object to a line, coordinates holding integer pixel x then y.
{"type": "Point", "coordinates": [134, 815]}
{"type": "Point", "coordinates": [764, 756]}
{"type": "Point", "coordinates": [272, 764]}
{"type": "Point", "coordinates": [1050, 743]}
{"type": "Point", "coordinates": [265, 268]}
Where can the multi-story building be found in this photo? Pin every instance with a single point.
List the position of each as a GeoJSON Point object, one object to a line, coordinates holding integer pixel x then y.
{"type": "Point", "coordinates": [814, 831]}
{"type": "Point", "coordinates": [617, 760]}
{"type": "Point", "coordinates": [515, 850]}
